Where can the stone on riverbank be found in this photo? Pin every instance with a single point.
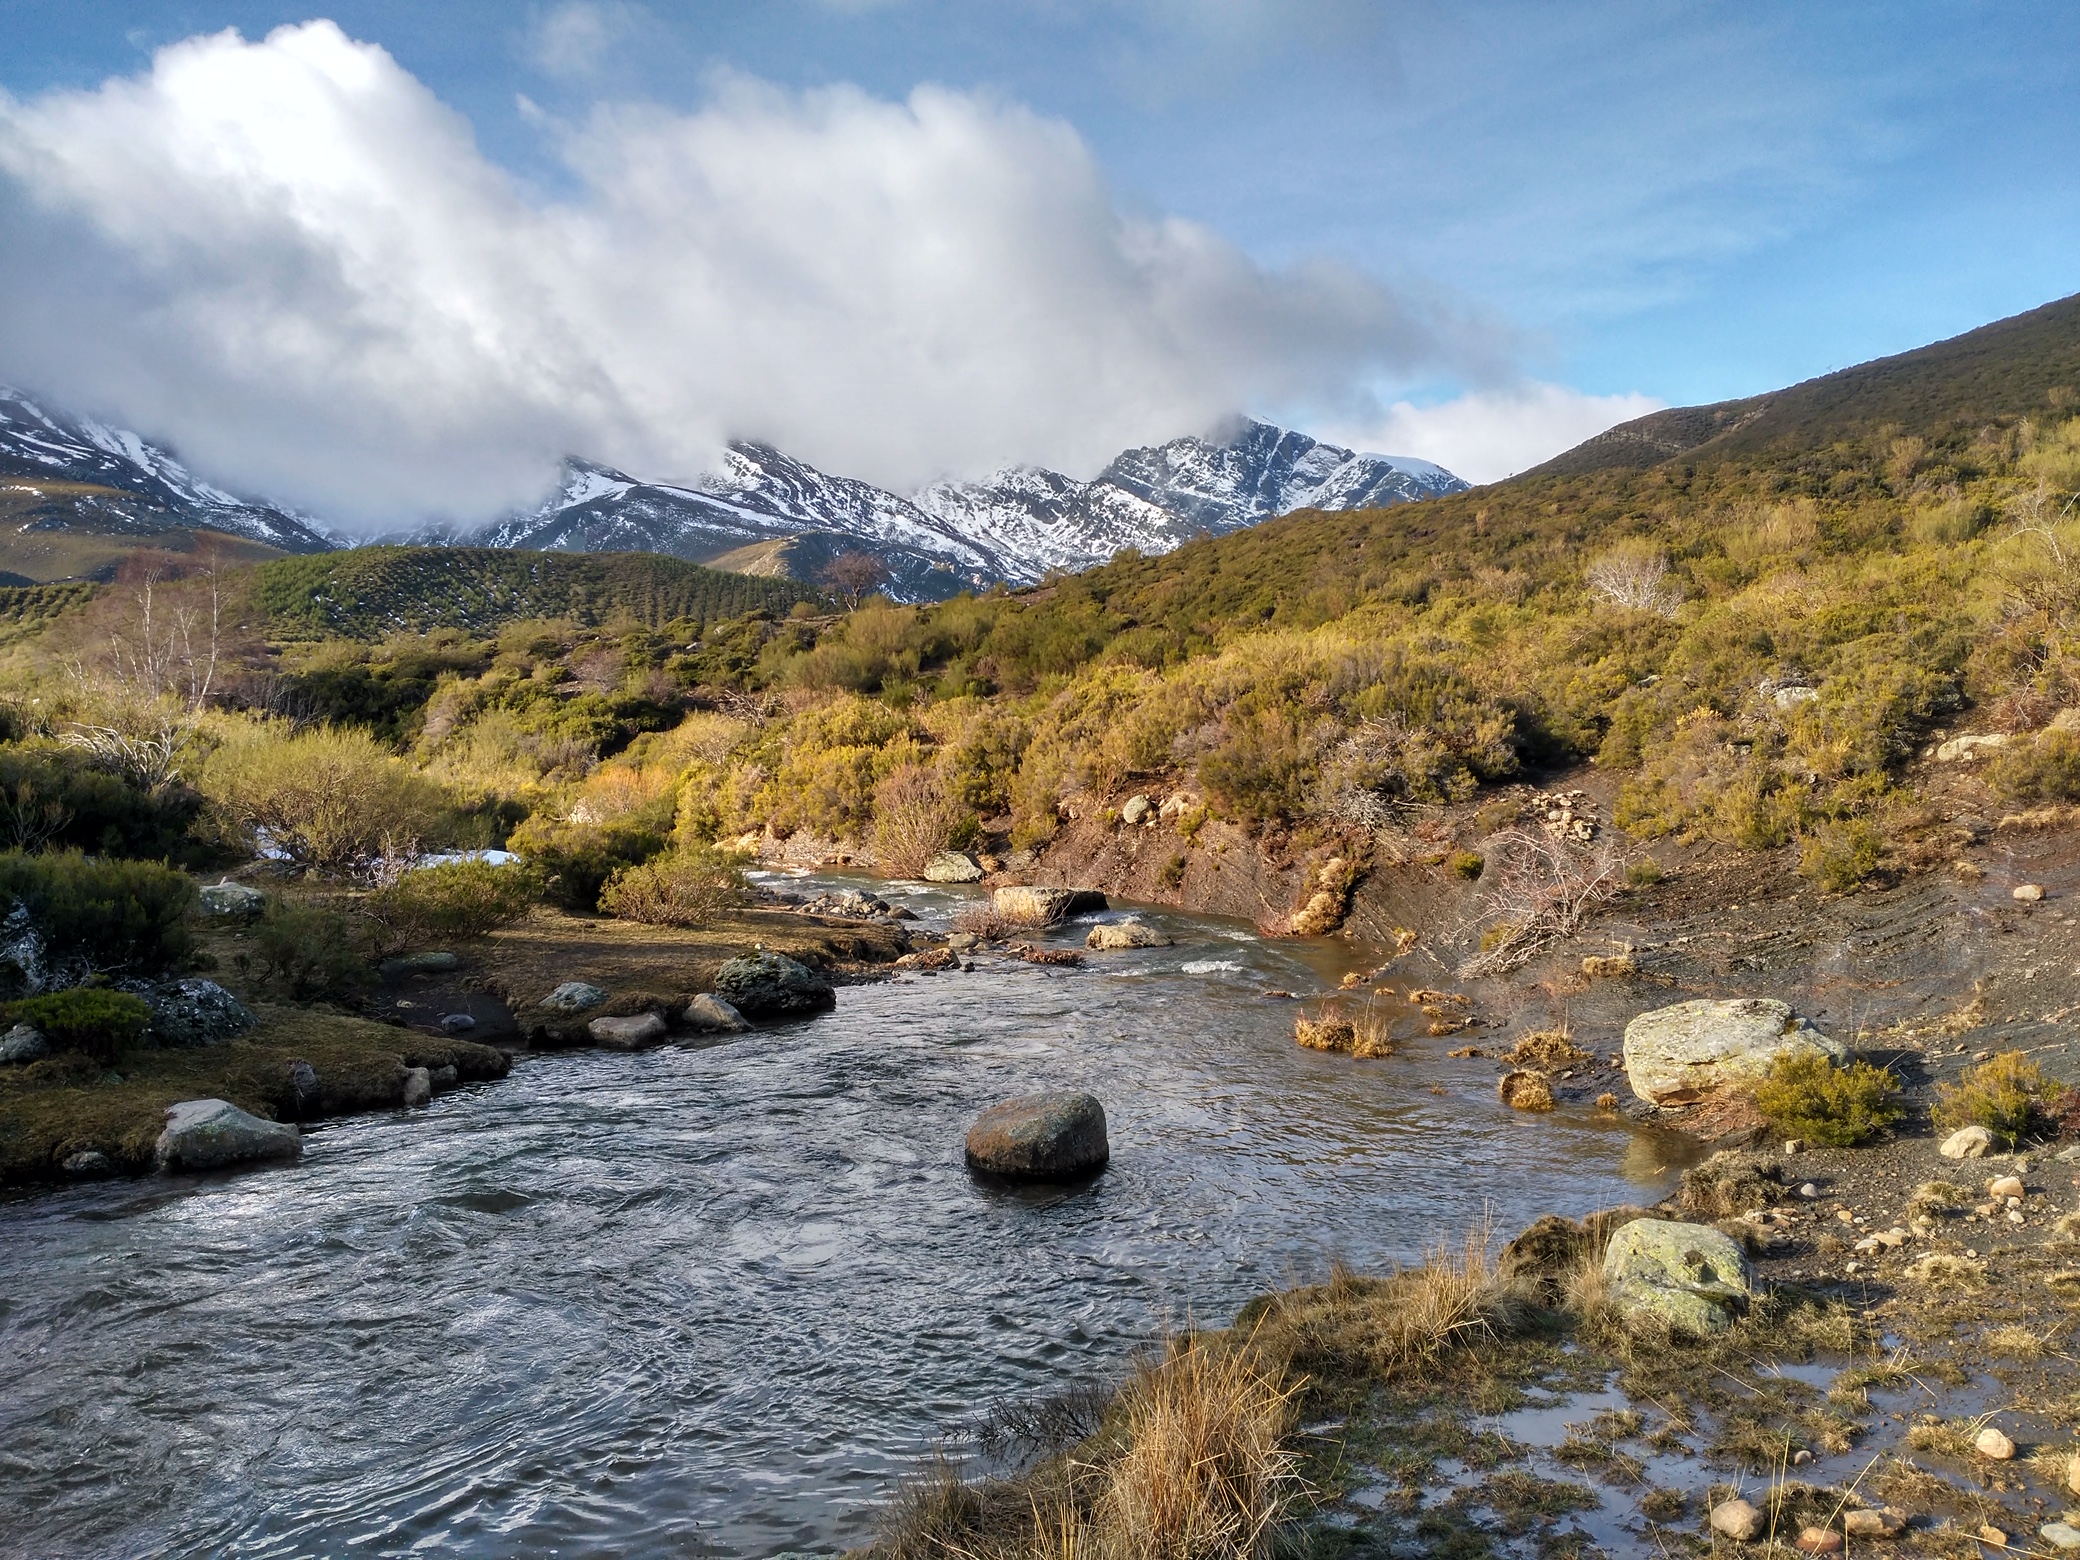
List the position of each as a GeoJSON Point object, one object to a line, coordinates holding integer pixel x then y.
{"type": "Point", "coordinates": [1112, 935]}
{"type": "Point", "coordinates": [187, 1013]}
{"type": "Point", "coordinates": [23, 1044]}
{"type": "Point", "coordinates": [89, 1164]}
{"type": "Point", "coordinates": [209, 1134]}
{"type": "Point", "coordinates": [434, 963]}
{"type": "Point", "coordinates": [2062, 1536]}
{"type": "Point", "coordinates": [1874, 1522]}
{"type": "Point", "coordinates": [1737, 1520]}
{"type": "Point", "coordinates": [1689, 1276]}
{"type": "Point", "coordinates": [418, 1087]}
{"type": "Point", "coordinates": [1677, 1055]}
{"type": "Point", "coordinates": [633, 1033]}
{"type": "Point", "coordinates": [1044, 906]}
{"type": "Point", "coordinates": [715, 1015]}
{"type": "Point", "coordinates": [1040, 1137]}
{"type": "Point", "coordinates": [763, 984]}
{"type": "Point", "coordinates": [1993, 1445]}
{"type": "Point", "coordinates": [953, 866]}
{"type": "Point", "coordinates": [574, 996]}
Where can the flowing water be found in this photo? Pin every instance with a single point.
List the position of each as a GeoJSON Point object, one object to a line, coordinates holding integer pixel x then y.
{"type": "Point", "coordinates": [718, 1298]}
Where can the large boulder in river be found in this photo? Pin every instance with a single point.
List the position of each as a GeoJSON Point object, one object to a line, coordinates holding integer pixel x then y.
{"type": "Point", "coordinates": [1040, 1137]}
{"type": "Point", "coordinates": [1678, 1055]}
{"type": "Point", "coordinates": [1130, 933]}
{"type": "Point", "coordinates": [1689, 1277]}
{"type": "Point", "coordinates": [209, 1134]}
{"type": "Point", "coordinates": [953, 866]}
{"type": "Point", "coordinates": [1044, 906]}
{"type": "Point", "coordinates": [765, 983]}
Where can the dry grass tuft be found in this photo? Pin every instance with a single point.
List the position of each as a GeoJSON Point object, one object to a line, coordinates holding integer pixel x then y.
{"type": "Point", "coordinates": [1526, 1089]}
{"type": "Point", "coordinates": [1547, 1048]}
{"type": "Point", "coordinates": [1365, 1034]}
{"type": "Point", "coordinates": [1325, 1034]}
{"type": "Point", "coordinates": [1933, 1199]}
{"type": "Point", "coordinates": [2015, 1342]}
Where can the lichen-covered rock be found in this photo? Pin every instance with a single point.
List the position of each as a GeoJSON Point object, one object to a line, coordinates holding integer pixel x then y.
{"type": "Point", "coordinates": [1044, 906]}
{"type": "Point", "coordinates": [1136, 811]}
{"type": "Point", "coordinates": [1131, 933]}
{"type": "Point", "coordinates": [1040, 1137]}
{"type": "Point", "coordinates": [189, 1013]}
{"type": "Point", "coordinates": [627, 1034]}
{"type": "Point", "coordinates": [23, 963]}
{"type": "Point", "coordinates": [1690, 1277]}
{"type": "Point", "coordinates": [711, 1013]}
{"type": "Point", "coordinates": [23, 1044]}
{"type": "Point", "coordinates": [209, 1134]}
{"type": "Point", "coordinates": [574, 996]}
{"type": "Point", "coordinates": [1680, 1054]}
{"type": "Point", "coordinates": [232, 902]}
{"type": "Point", "coordinates": [1967, 1143]}
{"type": "Point", "coordinates": [436, 962]}
{"type": "Point", "coordinates": [766, 984]}
{"type": "Point", "coordinates": [88, 1164]}
{"type": "Point", "coordinates": [953, 866]}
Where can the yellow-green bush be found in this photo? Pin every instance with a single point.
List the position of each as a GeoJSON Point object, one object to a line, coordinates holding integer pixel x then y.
{"type": "Point", "coordinates": [2045, 768]}
{"type": "Point", "coordinates": [690, 886]}
{"type": "Point", "coordinates": [2007, 1094]}
{"type": "Point", "coordinates": [331, 799]}
{"type": "Point", "coordinates": [1806, 1096]}
{"type": "Point", "coordinates": [454, 901]}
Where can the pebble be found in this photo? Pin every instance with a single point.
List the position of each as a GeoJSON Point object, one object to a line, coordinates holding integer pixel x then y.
{"type": "Point", "coordinates": [1989, 1534]}
{"type": "Point", "coordinates": [2006, 1186]}
{"type": "Point", "coordinates": [1794, 1145]}
{"type": "Point", "coordinates": [1878, 1522]}
{"type": "Point", "coordinates": [2060, 1535]}
{"type": "Point", "coordinates": [2028, 893]}
{"type": "Point", "coordinates": [1809, 1190]}
{"type": "Point", "coordinates": [1819, 1540]}
{"type": "Point", "coordinates": [1992, 1443]}
{"type": "Point", "coordinates": [1737, 1519]}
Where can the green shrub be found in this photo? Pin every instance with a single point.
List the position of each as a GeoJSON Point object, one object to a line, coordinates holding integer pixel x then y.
{"type": "Point", "coordinates": [86, 1020]}
{"type": "Point", "coordinates": [330, 799]}
{"type": "Point", "coordinates": [688, 887]}
{"type": "Point", "coordinates": [1806, 1096]}
{"type": "Point", "coordinates": [574, 860]}
{"type": "Point", "coordinates": [110, 916]}
{"type": "Point", "coordinates": [2044, 770]}
{"type": "Point", "coordinates": [1839, 856]}
{"type": "Point", "coordinates": [1467, 864]}
{"type": "Point", "coordinates": [455, 901]}
{"type": "Point", "coordinates": [310, 953]}
{"type": "Point", "coordinates": [2007, 1094]}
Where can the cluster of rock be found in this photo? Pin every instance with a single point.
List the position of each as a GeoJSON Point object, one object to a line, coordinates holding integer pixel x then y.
{"type": "Point", "coordinates": [184, 1014]}
{"type": "Point", "coordinates": [761, 985]}
{"type": "Point", "coordinates": [846, 904]}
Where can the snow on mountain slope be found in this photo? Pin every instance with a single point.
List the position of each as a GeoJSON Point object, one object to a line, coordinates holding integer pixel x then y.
{"type": "Point", "coordinates": [127, 485]}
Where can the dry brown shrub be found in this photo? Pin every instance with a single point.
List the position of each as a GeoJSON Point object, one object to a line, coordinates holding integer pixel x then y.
{"type": "Point", "coordinates": [1325, 1034]}
{"type": "Point", "coordinates": [1526, 1089]}
{"type": "Point", "coordinates": [1547, 1048]}
{"type": "Point", "coordinates": [980, 920]}
{"type": "Point", "coordinates": [914, 819]}
{"type": "Point", "coordinates": [1544, 889]}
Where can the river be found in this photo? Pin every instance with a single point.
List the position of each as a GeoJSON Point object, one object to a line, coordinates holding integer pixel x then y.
{"type": "Point", "coordinates": [718, 1298]}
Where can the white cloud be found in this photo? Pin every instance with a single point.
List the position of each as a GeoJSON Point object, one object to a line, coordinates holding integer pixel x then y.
{"type": "Point", "coordinates": [1486, 435]}
{"type": "Point", "coordinates": [571, 40]}
{"type": "Point", "coordinates": [292, 261]}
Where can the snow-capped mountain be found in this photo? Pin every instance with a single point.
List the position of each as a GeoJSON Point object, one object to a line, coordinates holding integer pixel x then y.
{"type": "Point", "coordinates": [1013, 526]}
{"type": "Point", "coordinates": [94, 477]}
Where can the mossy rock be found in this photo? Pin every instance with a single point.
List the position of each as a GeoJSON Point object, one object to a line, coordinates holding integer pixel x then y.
{"type": "Point", "coordinates": [1689, 1277]}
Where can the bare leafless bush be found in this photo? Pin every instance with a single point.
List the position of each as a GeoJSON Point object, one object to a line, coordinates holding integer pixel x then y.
{"type": "Point", "coordinates": [914, 819]}
{"type": "Point", "coordinates": [1544, 889]}
{"type": "Point", "coordinates": [1635, 576]}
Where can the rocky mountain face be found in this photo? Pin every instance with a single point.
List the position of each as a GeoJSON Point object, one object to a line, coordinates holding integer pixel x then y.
{"type": "Point", "coordinates": [763, 512]}
{"type": "Point", "coordinates": [1013, 526]}
{"type": "Point", "coordinates": [66, 473]}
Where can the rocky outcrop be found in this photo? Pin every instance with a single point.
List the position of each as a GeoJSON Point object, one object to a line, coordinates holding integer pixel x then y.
{"type": "Point", "coordinates": [229, 901]}
{"type": "Point", "coordinates": [1689, 1277]}
{"type": "Point", "coordinates": [712, 1014]}
{"type": "Point", "coordinates": [1131, 933]}
{"type": "Point", "coordinates": [188, 1013]}
{"type": "Point", "coordinates": [1681, 1054]}
{"type": "Point", "coordinates": [210, 1134]}
{"type": "Point", "coordinates": [953, 866]}
{"type": "Point", "coordinates": [1028, 906]}
{"type": "Point", "coordinates": [634, 1033]}
{"type": "Point", "coordinates": [574, 996]}
{"type": "Point", "coordinates": [771, 985]}
{"type": "Point", "coordinates": [1040, 1137]}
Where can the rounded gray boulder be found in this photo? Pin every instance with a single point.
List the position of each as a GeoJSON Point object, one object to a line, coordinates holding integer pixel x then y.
{"type": "Point", "coordinates": [771, 983]}
{"type": "Point", "coordinates": [209, 1134]}
{"type": "Point", "coordinates": [1040, 1137]}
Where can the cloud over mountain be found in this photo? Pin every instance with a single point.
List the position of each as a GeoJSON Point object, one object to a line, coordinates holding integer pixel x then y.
{"type": "Point", "coordinates": [292, 261]}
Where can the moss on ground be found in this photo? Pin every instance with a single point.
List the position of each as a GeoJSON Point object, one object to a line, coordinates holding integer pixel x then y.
{"type": "Point", "coordinates": [58, 1107]}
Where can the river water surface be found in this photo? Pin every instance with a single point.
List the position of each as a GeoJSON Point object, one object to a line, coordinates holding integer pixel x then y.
{"type": "Point", "coordinates": [717, 1299]}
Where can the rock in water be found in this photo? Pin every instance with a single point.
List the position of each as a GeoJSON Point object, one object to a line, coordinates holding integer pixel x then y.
{"type": "Point", "coordinates": [1040, 1137]}
{"type": "Point", "coordinates": [713, 1014]}
{"type": "Point", "coordinates": [953, 866]}
{"type": "Point", "coordinates": [457, 1023]}
{"type": "Point", "coordinates": [2062, 1536]}
{"type": "Point", "coordinates": [1132, 933]}
{"type": "Point", "coordinates": [1967, 1143]}
{"type": "Point", "coordinates": [209, 1134]}
{"type": "Point", "coordinates": [89, 1164]}
{"type": "Point", "coordinates": [1690, 1276]}
{"type": "Point", "coordinates": [1677, 1055]}
{"type": "Point", "coordinates": [232, 902]}
{"type": "Point", "coordinates": [627, 1034]}
{"type": "Point", "coordinates": [23, 1044]}
{"type": "Point", "coordinates": [1044, 906]}
{"type": "Point", "coordinates": [418, 1087]}
{"type": "Point", "coordinates": [1737, 1520]}
{"type": "Point", "coordinates": [187, 1013]}
{"type": "Point", "coordinates": [574, 996]}
{"type": "Point", "coordinates": [771, 983]}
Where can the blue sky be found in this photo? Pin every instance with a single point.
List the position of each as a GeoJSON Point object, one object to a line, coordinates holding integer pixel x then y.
{"type": "Point", "coordinates": [1666, 201]}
